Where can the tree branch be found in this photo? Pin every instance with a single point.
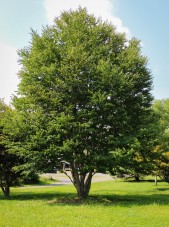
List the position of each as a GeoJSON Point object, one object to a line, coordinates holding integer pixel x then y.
{"type": "Point", "coordinates": [68, 177]}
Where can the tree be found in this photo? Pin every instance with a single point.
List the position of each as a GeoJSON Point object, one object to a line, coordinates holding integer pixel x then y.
{"type": "Point", "coordinates": [15, 164]}
{"type": "Point", "coordinates": [8, 159]}
{"type": "Point", "coordinates": [139, 158]}
{"type": "Point", "coordinates": [162, 108]}
{"type": "Point", "coordinates": [92, 88]}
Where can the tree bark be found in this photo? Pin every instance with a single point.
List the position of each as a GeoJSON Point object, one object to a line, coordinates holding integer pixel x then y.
{"type": "Point", "coordinates": [5, 188]}
{"type": "Point", "coordinates": [82, 183]}
{"type": "Point", "coordinates": [137, 178]}
{"type": "Point", "coordinates": [6, 191]}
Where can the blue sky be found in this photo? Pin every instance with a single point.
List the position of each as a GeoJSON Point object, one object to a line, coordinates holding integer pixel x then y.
{"type": "Point", "coordinates": [146, 20]}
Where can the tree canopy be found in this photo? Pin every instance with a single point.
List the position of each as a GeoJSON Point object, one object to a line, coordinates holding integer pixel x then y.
{"type": "Point", "coordinates": [91, 88]}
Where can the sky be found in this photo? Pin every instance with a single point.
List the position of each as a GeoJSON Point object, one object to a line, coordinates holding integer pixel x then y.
{"type": "Point", "coordinates": [146, 20]}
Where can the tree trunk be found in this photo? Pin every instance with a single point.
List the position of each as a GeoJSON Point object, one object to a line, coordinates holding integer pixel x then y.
{"type": "Point", "coordinates": [137, 178]}
{"type": "Point", "coordinates": [5, 188]}
{"type": "Point", "coordinates": [82, 183]}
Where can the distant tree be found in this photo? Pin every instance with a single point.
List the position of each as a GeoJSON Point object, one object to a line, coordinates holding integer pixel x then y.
{"type": "Point", "coordinates": [163, 166]}
{"type": "Point", "coordinates": [15, 165]}
{"type": "Point", "coordinates": [91, 88]}
{"type": "Point", "coordinates": [139, 158]}
{"type": "Point", "coordinates": [162, 108]}
{"type": "Point", "coordinates": [8, 159]}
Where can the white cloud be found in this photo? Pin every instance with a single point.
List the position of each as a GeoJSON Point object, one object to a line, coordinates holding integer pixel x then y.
{"type": "Point", "coordinates": [8, 71]}
{"type": "Point", "coordinates": [100, 8]}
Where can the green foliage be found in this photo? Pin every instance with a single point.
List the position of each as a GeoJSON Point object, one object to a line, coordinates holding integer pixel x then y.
{"type": "Point", "coordinates": [15, 165]}
{"type": "Point", "coordinates": [87, 90]}
{"type": "Point", "coordinates": [162, 108]}
{"type": "Point", "coordinates": [163, 166]}
{"type": "Point", "coordinates": [139, 158]}
{"type": "Point", "coordinates": [8, 159]}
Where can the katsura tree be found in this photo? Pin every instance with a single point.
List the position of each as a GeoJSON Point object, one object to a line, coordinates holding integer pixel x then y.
{"type": "Point", "coordinates": [92, 88]}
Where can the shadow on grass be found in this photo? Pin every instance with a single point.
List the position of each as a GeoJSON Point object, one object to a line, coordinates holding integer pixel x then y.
{"type": "Point", "coordinates": [61, 198]}
{"type": "Point", "coordinates": [163, 189]}
{"type": "Point", "coordinates": [140, 181]}
{"type": "Point", "coordinates": [114, 200]}
{"type": "Point", "coordinates": [135, 199]}
{"type": "Point", "coordinates": [32, 195]}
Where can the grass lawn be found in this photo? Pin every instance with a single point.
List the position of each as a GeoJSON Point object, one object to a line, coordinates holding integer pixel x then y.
{"type": "Point", "coordinates": [111, 203]}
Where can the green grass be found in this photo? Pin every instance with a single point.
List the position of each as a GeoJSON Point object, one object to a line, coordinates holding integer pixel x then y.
{"type": "Point", "coordinates": [112, 203]}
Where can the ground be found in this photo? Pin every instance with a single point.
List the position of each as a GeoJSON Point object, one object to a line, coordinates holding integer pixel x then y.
{"type": "Point", "coordinates": [63, 179]}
